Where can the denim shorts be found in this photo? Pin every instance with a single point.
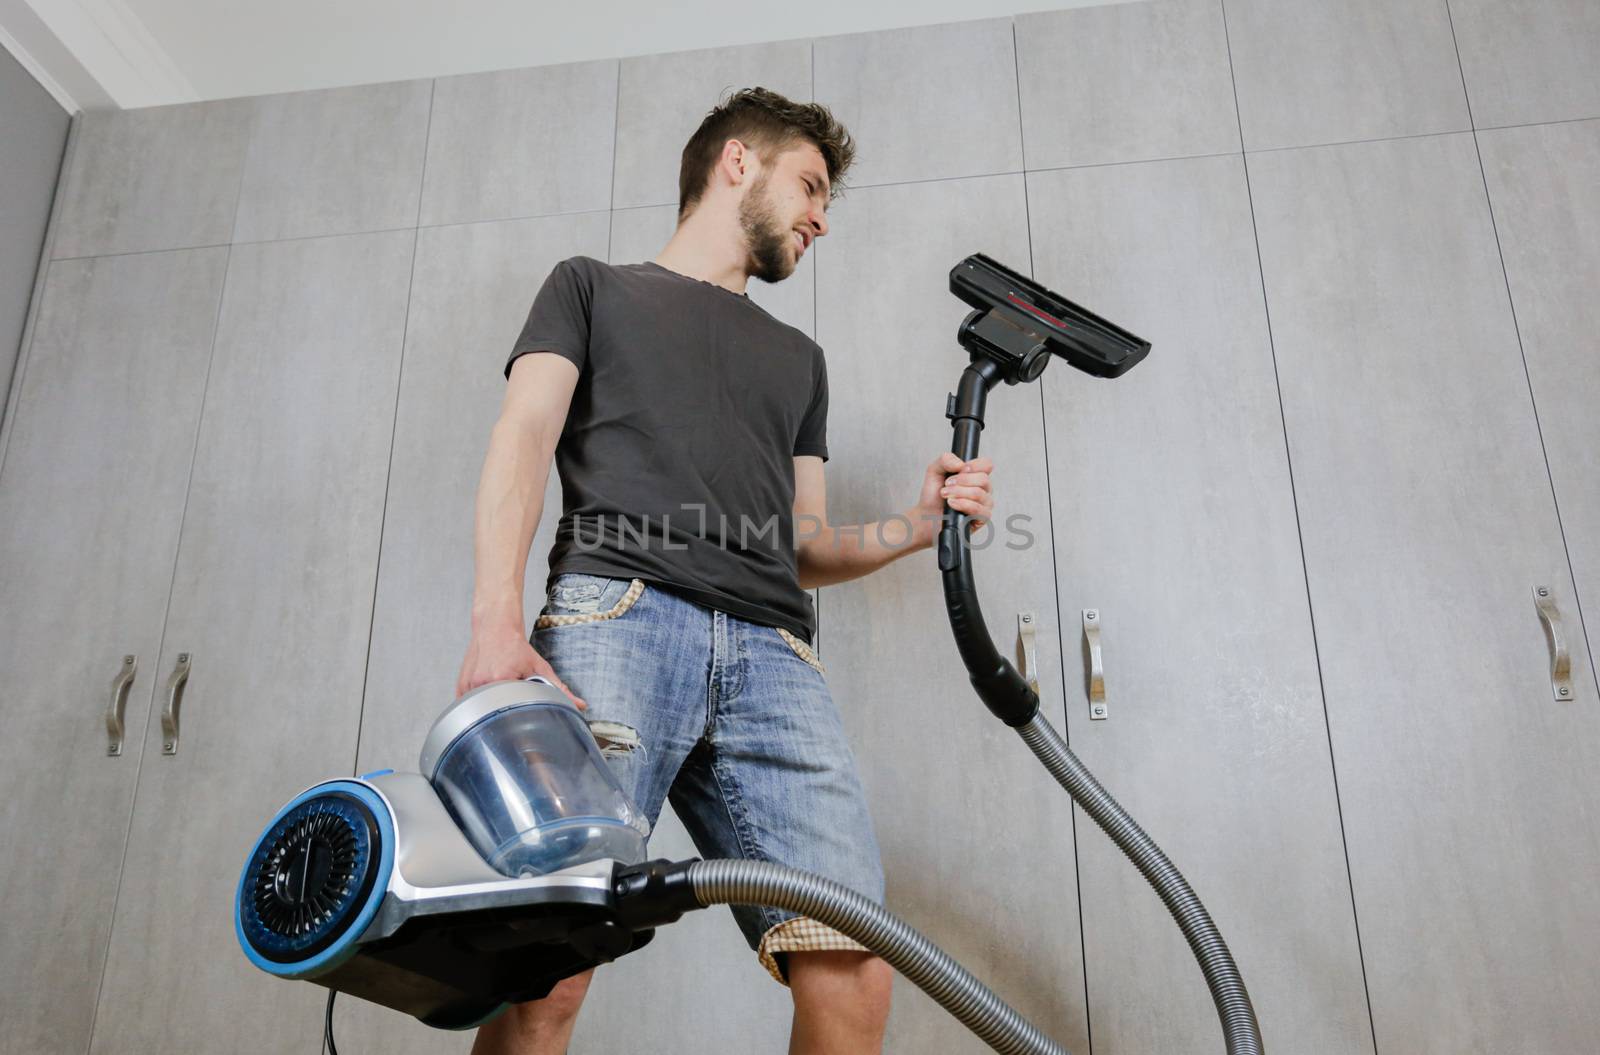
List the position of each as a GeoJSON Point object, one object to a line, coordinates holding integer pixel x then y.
{"type": "Point", "coordinates": [738, 730]}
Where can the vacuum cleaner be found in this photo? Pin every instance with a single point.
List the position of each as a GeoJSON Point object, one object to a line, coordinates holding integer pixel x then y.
{"type": "Point", "coordinates": [514, 859]}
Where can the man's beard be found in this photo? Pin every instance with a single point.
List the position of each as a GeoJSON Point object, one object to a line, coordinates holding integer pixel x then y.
{"type": "Point", "coordinates": [769, 258]}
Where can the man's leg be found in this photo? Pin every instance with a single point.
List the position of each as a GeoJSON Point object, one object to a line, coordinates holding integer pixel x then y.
{"type": "Point", "coordinates": [538, 1027]}
{"type": "Point", "coordinates": [774, 780]}
{"type": "Point", "coordinates": [841, 1003]}
{"type": "Point", "coordinates": [632, 654]}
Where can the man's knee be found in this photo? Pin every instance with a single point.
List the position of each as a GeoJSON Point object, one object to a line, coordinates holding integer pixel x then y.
{"type": "Point", "coordinates": [858, 978]}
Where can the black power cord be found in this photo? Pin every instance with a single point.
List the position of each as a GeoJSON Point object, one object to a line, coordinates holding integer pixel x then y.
{"type": "Point", "coordinates": [327, 1025]}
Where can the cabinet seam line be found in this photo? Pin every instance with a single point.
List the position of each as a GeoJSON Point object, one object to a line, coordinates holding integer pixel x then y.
{"type": "Point", "coordinates": [1527, 375]}
{"type": "Point", "coordinates": [394, 431]}
{"type": "Point", "coordinates": [1305, 571]}
{"type": "Point", "coordinates": [611, 205]}
{"type": "Point", "coordinates": [1055, 573]}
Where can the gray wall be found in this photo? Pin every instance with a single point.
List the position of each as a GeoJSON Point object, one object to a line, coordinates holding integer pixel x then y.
{"type": "Point", "coordinates": [33, 128]}
{"type": "Point", "coordinates": [1363, 238]}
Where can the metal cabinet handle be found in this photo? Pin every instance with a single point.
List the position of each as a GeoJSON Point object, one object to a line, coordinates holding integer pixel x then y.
{"type": "Point", "coordinates": [1027, 656]}
{"type": "Point", "coordinates": [119, 704]}
{"type": "Point", "coordinates": [1095, 663]}
{"type": "Point", "coordinates": [169, 716]}
{"type": "Point", "coordinates": [1560, 659]}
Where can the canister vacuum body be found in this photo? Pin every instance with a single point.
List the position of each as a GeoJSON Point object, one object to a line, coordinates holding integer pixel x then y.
{"type": "Point", "coordinates": [374, 886]}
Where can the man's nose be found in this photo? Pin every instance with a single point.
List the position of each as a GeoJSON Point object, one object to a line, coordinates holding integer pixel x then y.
{"type": "Point", "coordinates": [819, 222]}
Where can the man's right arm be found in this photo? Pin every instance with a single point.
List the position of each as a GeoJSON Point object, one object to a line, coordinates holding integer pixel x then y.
{"type": "Point", "coordinates": [509, 506]}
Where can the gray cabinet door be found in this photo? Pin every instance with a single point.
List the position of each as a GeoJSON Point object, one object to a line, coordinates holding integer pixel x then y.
{"type": "Point", "coordinates": [1468, 791]}
{"type": "Point", "coordinates": [1542, 181]}
{"type": "Point", "coordinates": [473, 286]}
{"type": "Point", "coordinates": [977, 839]}
{"type": "Point", "coordinates": [91, 497]}
{"type": "Point", "coordinates": [727, 1002]}
{"type": "Point", "coordinates": [272, 600]}
{"type": "Point", "coordinates": [1175, 523]}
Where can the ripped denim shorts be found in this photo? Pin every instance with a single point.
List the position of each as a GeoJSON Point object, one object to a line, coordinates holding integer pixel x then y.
{"type": "Point", "coordinates": [738, 730]}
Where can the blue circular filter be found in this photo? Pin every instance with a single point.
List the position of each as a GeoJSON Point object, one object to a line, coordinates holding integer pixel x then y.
{"type": "Point", "coordinates": [315, 877]}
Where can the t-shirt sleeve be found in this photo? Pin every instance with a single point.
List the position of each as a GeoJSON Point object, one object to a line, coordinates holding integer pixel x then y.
{"type": "Point", "coordinates": [813, 435]}
{"type": "Point", "coordinates": [559, 319]}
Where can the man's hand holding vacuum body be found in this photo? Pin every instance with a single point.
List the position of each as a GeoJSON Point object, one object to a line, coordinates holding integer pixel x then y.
{"type": "Point", "coordinates": [510, 503]}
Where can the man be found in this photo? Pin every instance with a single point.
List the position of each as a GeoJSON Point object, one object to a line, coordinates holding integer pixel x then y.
{"type": "Point", "coordinates": [689, 427]}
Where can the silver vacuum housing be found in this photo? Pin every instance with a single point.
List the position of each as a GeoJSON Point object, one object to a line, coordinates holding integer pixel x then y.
{"type": "Point", "coordinates": [368, 886]}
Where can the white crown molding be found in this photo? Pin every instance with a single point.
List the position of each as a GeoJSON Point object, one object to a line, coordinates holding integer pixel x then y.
{"type": "Point", "coordinates": [37, 70]}
{"type": "Point", "coordinates": [38, 51]}
{"type": "Point", "coordinates": [96, 53]}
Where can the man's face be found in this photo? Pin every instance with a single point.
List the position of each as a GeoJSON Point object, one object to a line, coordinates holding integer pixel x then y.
{"type": "Point", "coordinates": [784, 211]}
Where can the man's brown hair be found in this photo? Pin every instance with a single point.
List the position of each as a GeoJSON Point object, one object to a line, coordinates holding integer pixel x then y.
{"type": "Point", "coordinates": [769, 123]}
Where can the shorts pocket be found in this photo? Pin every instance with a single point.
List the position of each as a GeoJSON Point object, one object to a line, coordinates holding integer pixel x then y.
{"type": "Point", "coordinates": [801, 649]}
{"type": "Point", "coordinates": [576, 599]}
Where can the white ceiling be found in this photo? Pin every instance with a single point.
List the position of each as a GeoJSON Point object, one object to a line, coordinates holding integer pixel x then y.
{"type": "Point", "coordinates": [126, 53]}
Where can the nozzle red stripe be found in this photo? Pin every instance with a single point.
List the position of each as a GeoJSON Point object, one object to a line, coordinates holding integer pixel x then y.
{"type": "Point", "coordinates": [1025, 306]}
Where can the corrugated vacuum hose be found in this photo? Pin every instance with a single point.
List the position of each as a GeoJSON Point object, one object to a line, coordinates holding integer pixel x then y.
{"type": "Point", "coordinates": [1240, 1030]}
{"type": "Point", "coordinates": [933, 971]}
{"type": "Point", "coordinates": [897, 942]}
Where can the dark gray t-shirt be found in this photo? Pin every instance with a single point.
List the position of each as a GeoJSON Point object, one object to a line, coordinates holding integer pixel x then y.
{"type": "Point", "coordinates": [677, 458]}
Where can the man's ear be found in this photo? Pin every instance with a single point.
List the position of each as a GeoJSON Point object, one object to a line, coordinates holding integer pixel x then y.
{"type": "Point", "coordinates": [735, 161]}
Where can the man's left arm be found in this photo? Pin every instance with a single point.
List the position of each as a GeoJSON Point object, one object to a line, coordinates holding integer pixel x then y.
{"type": "Point", "coordinates": [828, 554]}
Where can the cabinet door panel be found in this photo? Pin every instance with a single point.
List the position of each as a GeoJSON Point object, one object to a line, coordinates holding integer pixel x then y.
{"type": "Point", "coordinates": [662, 99]}
{"type": "Point", "coordinates": [473, 286]}
{"type": "Point", "coordinates": [1468, 792]}
{"type": "Point", "coordinates": [882, 86]}
{"type": "Point", "coordinates": [1311, 72]}
{"type": "Point", "coordinates": [1175, 522]}
{"type": "Point", "coordinates": [1145, 81]}
{"type": "Point", "coordinates": [976, 837]}
{"type": "Point", "coordinates": [1542, 182]}
{"type": "Point", "coordinates": [91, 498]}
{"type": "Point", "coordinates": [154, 177]}
{"type": "Point", "coordinates": [1528, 62]}
{"type": "Point", "coordinates": [529, 142]}
{"type": "Point", "coordinates": [272, 599]}
{"type": "Point", "coordinates": [728, 1002]}
{"type": "Point", "coordinates": [334, 161]}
